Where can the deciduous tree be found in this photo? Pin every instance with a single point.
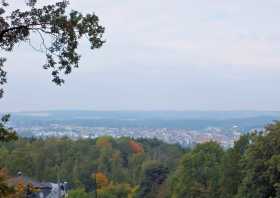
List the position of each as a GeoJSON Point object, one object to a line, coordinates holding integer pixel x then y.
{"type": "Point", "coordinates": [60, 30]}
{"type": "Point", "coordinates": [199, 173]}
{"type": "Point", "coordinates": [261, 165]}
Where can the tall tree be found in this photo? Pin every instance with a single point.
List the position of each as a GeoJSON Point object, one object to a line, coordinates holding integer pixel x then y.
{"type": "Point", "coordinates": [232, 174]}
{"type": "Point", "coordinates": [199, 172]}
{"type": "Point", "coordinates": [154, 175]}
{"type": "Point", "coordinates": [261, 165]}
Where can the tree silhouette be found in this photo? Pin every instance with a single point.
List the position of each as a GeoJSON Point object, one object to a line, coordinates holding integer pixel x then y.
{"type": "Point", "coordinates": [60, 30]}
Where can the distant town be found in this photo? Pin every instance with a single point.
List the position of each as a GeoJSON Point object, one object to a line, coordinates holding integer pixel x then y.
{"type": "Point", "coordinates": [183, 128]}
{"type": "Point", "coordinates": [184, 137]}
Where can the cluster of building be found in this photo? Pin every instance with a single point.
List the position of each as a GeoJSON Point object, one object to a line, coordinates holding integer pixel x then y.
{"type": "Point", "coordinates": [33, 189]}
{"type": "Point", "coordinates": [184, 137]}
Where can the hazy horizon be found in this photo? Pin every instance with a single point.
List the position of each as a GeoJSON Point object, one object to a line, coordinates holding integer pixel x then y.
{"type": "Point", "coordinates": [139, 110]}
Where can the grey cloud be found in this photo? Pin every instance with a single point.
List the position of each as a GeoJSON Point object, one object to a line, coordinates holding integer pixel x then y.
{"type": "Point", "coordinates": [162, 54]}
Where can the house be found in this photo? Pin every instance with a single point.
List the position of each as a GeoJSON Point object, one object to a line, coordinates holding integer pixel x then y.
{"type": "Point", "coordinates": [35, 189]}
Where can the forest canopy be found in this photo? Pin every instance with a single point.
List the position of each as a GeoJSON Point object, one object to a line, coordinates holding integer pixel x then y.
{"type": "Point", "coordinates": [149, 168]}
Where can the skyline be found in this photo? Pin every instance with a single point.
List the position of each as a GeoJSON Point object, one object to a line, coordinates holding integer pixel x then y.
{"type": "Point", "coordinates": [161, 55]}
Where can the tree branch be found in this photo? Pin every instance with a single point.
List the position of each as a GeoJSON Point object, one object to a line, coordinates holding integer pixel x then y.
{"type": "Point", "coordinates": [28, 26]}
{"type": "Point", "coordinates": [3, 32]}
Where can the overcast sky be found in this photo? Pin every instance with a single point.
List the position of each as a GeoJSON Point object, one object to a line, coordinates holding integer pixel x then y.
{"type": "Point", "coordinates": [162, 55]}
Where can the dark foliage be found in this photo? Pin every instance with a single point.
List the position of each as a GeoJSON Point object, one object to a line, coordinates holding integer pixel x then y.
{"type": "Point", "coordinates": [59, 28]}
{"type": "Point", "coordinates": [6, 134]}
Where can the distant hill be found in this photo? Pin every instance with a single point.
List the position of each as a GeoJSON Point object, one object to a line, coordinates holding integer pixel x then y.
{"type": "Point", "coordinates": [245, 120]}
